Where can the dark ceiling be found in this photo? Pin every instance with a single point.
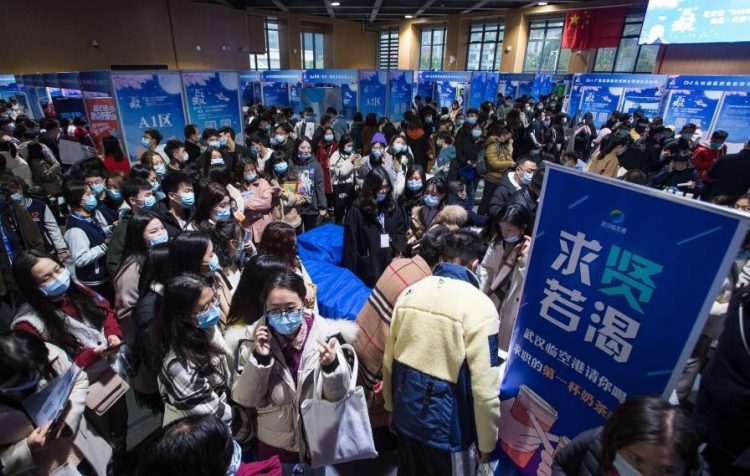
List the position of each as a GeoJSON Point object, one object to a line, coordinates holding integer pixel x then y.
{"type": "Point", "coordinates": [379, 10]}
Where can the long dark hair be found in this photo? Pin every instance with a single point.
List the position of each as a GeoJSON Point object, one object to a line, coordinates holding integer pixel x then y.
{"type": "Point", "coordinates": [287, 280]}
{"type": "Point", "coordinates": [210, 196]}
{"type": "Point", "coordinates": [112, 147]}
{"type": "Point", "coordinates": [516, 215]}
{"type": "Point", "coordinates": [373, 182]}
{"type": "Point", "coordinates": [186, 252]}
{"type": "Point", "coordinates": [612, 143]}
{"type": "Point", "coordinates": [197, 445]}
{"type": "Point", "coordinates": [408, 195]}
{"type": "Point", "coordinates": [21, 356]}
{"type": "Point", "coordinates": [47, 309]}
{"type": "Point", "coordinates": [247, 306]}
{"type": "Point", "coordinates": [277, 157]}
{"type": "Point", "coordinates": [155, 268]}
{"type": "Point", "coordinates": [221, 235]}
{"type": "Point", "coordinates": [135, 244]}
{"type": "Point", "coordinates": [280, 240]}
{"type": "Point", "coordinates": [176, 327]}
{"type": "Point", "coordinates": [650, 419]}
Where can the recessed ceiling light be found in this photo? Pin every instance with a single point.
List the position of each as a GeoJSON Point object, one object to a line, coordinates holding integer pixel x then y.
{"type": "Point", "coordinates": [408, 16]}
{"type": "Point", "coordinates": [543, 4]}
{"type": "Point", "coordinates": [335, 4]}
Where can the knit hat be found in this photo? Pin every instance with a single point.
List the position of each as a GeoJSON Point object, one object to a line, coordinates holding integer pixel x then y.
{"type": "Point", "coordinates": [378, 138]}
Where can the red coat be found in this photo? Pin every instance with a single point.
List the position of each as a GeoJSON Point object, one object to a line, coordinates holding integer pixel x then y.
{"type": "Point", "coordinates": [704, 158]}
{"type": "Point", "coordinates": [325, 151]}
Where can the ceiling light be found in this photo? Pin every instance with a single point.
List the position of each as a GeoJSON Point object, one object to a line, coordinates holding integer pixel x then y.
{"type": "Point", "coordinates": [408, 16]}
{"type": "Point", "coordinates": [543, 4]}
{"type": "Point", "coordinates": [335, 4]}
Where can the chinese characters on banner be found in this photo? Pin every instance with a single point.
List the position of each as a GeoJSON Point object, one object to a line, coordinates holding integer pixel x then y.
{"type": "Point", "coordinates": [149, 100]}
{"type": "Point", "coordinates": [213, 99]}
{"type": "Point", "coordinates": [399, 94]}
{"type": "Point", "coordinates": [373, 92]}
{"type": "Point", "coordinates": [613, 302]}
{"type": "Point", "coordinates": [100, 106]}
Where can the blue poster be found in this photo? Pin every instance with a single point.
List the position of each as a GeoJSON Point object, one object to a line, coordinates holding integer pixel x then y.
{"type": "Point", "coordinates": [447, 92]}
{"type": "Point", "coordinates": [213, 99]}
{"type": "Point", "coordinates": [506, 87]}
{"type": "Point", "coordinates": [574, 101]}
{"type": "Point", "coordinates": [598, 320]}
{"type": "Point", "coordinates": [373, 92]}
{"type": "Point", "coordinates": [491, 87]}
{"type": "Point", "coordinates": [424, 87]}
{"type": "Point", "coordinates": [96, 82]}
{"type": "Point", "coordinates": [249, 80]}
{"type": "Point", "coordinates": [147, 100]}
{"type": "Point", "coordinates": [525, 88]}
{"type": "Point", "coordinates": [275, 94]}
{"type": "Point", "coordinates": [647, 100]}
{"type": "Point", "coordinates": [399, 94]}
{"type": "Point", "coordinates": [600, 101]}
{"type": "Point", "coordinates": [8, 86]}
{"type": "Point", "coordinates": [734, 117]}
{"type": "Point", "coordinates": [696, 21]}
{"type": "Point", "coordinates": [275, 86]}
{"type": "Point", "coordinates": [478, 89]}
{"type": "Point", "coordinates": [698, 107]}
{"type": "Point", "coordinates": [68, 107]}
{"type": "Point", "coordinates": [347, 79]}
{"type": "Point", "coordinates": [69, 84]}
{"type": "Point", "coordinates": [542, 85]}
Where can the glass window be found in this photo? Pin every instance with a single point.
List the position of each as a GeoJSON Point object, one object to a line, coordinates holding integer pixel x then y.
{"type": "Point", "coordinates": [629, 56]}
{"type": "Point", "coordinates": [543, 52]}
{"type": "Point", "coordinates": [485, 45]}
{"type": "Point", "coordinates": [432, 47]}
{"type": "Point", "coordinates": [271, 59]}
{"type": "Point", "coordinates": [388, 49]}
{"type": "Point", "coordinates": [313, 50]}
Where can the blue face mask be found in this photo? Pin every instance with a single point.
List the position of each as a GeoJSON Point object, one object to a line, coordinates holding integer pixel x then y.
{"type": "Point", "coordinates": [234, 465]}
{"type": "Point", "coordinates": [716, 145]}
{"type": "Point", "coordinates": [377, 153]}
{"type": "Point", "coordinates": [16, 197]}
{"type": "Point", "coordinates": [160, 170]}
{"type": "Point", "coordinates": [431, 200]}
{"type": "Point", "coordinates": [414, 185]}
{"type": "Point", "coordinates": [310, 118]}
{"type": "Point", "coordinates": [459, 122]}
{"type": "Point", "coordinates": [397, 148]}
{"type": "Point", "coordinates": [250, 178]}
{"type": "Point", "coordinates": [145, 142]}
{"type": "Point", "coordinates": [476, 133]}
{"type": "Point", "coordinates": [97, 188]}
{"type": "Point", "coordinates": [304, 157]}
{"type": "Point", "coordinates": [278, 139]}
{"type": "Point", "coordinates": [23, 386]}
{"type": "Point", "coordinates": [187, 199]}
{"type": "Point", "coordinates": [217, 161]}
{"type": "Point", "coordinates": [209, 317]}
{"type": "Point", "coordinates": [253, 151]}
{"type": "Point", "coordinates": [328, 137]}
{"type": "Point", "coordinates": [57, 286]}
{"type": "Point", "coordinates": [222, 214]}
{"type": "Point", "coordinates": [348, 149]}
{"type": "Point", "coordinates": [114, 194]}
{"type": "Point", "coordinates": [214, 143]}
{"type": "Point", "coordinates": [156, 186]}
{"type": "Point", "coordinates": [471, 120]}
{"type": "Point", "coordinates": [284, 322]}
{"type": "Point", "coordinates": [149, 202]}
{"type": "Point", "coordinates": [222, 141]}
{"type": "Point", "coordinates": [428, 120]}
{"type": "Point", "coordinates": [381, 196]}
{"type": "Point", "coordinates": [624, 468]}
{"type": "Point", "coordinates": [158, 239]}
{"type": "Point", "coordinates": [90, 203]}
{"type": "Point", "coordinates": [280, 168]}
{"type": "Point", "coordinates": [213, 264]}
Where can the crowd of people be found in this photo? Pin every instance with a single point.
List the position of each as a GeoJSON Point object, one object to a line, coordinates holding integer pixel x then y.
{"type": "Point", "coordinates": [178, 276]}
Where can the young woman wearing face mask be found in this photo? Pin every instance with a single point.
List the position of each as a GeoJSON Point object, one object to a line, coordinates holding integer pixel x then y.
{"type": "Point", "coordinates": [194, 377]}
{"type": "Point", "coordinates": [277, 365]}
{"type": "Point", "coordinates": [432, 211]}
{"type": "Point", "coordinates": [282, 140]}
{"type": "Point", "coordinates": [145, 230]}
{"type": "Point", "coordinates": [87, 234]}
{"type": "Point", "coordinates": [286, 205]}
{"type": "Point", "coordinates": [213, 158]}
{"type": "Point", "coordinates": [412, 196]}
{"type": "Point", "coordinates": [343, 169]}
{"type": "Point", "coordinates": [381, 157]}
{"type": "Point", "coordinates": [114, 198]}
{"type": "Point", "coordinates": [229, 247]}
{"type": "Point", "coordinates": [311, 185]}
{"type": "Point", "coordinates": [401, 154]}
{"type": "Point", "coordinates": [323, 154]}
{"type": "Point", "coordinates": [257, 197]}
{"type": "Point", "coordinates": [214, 205]}
{"type": "Point", "coordinates": [605, 161]}
{"type": "Point", "coordinates": [503, 268]}
{"type": "Point", "coordinates": [644, 436]}
{"type": "Point", "coordinates": [27, 364]}
{"type": "Point", "coordinates": [374, 229]}
{"type": "Point", "coordinates": [154, 162]}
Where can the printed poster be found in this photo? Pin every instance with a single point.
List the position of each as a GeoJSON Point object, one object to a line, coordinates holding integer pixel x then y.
{"type": "Point", "coordinates": [373, 92]}
{"type": "Point", "coordinates": [100, 106]}
{"type": "Point", "coordinates": [399, 94]}
{"type": "Point", "coordinates": [213, 99]}
{"type": "Point", "coordinates": [685, 106]}
{"type": "Point", "coordinates": [734, 116]}
{"type": "Point", "coordinates": [600, 101]}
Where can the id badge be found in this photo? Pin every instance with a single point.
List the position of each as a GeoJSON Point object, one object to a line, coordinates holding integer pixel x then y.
{"type": "Point", "coordinates": [385, 240]}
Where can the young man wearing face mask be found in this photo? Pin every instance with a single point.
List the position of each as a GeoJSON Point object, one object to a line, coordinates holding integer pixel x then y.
{"type": "Point", "coordinates": [511, 182]}
{"type": "Point", "coordinates": [463, 135]}
{"type": "Point", "coordinates": [260, 149]}
{"type": "Point", "coordinates": [178, 157]}
{"type": "Point", "coordinates": [179, 208]}
{"type": "Point", "coordinates": [679, 175]}
{"type": "Point", "coordinates": [229, 146]}
{"type": "Point", "coordinates": [192, 142]}
{"type": "Point", "coordinates": [307, 126]}
{"type": "Point", "coordinates": [433, 310]}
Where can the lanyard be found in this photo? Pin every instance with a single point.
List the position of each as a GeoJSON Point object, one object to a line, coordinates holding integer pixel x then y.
{"type": "Point", "coordinates": [381, 220]}
{"type": "Point", "coordinates": [6, 242]}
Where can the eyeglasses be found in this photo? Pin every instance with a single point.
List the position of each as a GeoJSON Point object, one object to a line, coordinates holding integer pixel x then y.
{"type": "Point", "coordinates": [213, 302]}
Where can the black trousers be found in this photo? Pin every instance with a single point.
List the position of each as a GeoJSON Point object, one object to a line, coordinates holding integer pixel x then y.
{"type": "Point", "coordinates": [310, 221]}
{"type": "Point", "coordinates": [418, 459]}
{"type": "Point", "coordinates": [343, 197]}
{"type": "Point", "coordinates": [489, 191]}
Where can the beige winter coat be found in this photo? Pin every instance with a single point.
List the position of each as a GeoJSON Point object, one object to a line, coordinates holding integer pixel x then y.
{"type": "Point", "coordinates": [271, 389]}
{"type": "Point", "coordinates": [76, 444]}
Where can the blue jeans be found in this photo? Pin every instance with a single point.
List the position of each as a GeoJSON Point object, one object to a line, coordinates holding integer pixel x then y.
{"type": "Point", "coordinates": [471, 190]}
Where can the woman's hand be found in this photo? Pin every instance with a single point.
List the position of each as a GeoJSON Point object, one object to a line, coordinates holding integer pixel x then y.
{"type": "Point", "coordinates": [327, 352]}
{"type": "Point", "coordinates": [38, 437]}
{"type": "Point", "coordinates": [323, 212]}
{"type": "Point", "coordinates": [262, 344]}
{"type": "Point", "coordinates": [113, 341]}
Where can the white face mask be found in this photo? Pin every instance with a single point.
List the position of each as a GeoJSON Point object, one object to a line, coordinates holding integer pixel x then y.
{"type": "Point", "coordinates": [512, 239]}
{"type": "Point", "coordinates": [624, 468]}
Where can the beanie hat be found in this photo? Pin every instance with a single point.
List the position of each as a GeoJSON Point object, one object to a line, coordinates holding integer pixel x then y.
{"type": "Point", "coordinates": [378, 138]}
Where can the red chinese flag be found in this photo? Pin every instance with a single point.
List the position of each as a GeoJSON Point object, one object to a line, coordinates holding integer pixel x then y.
{"type": "Point", "coordinates": [594, 28]}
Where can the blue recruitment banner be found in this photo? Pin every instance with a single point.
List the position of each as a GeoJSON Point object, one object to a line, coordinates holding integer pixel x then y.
{"type": "Point", "coordinates": [33, 96]}
{"type": "Point", "coordinates": [542, 85]}
{"type": "Point", "coordinates": [249, 87]}
{"type": "Point", "coordinates": [709, 83]}
{"type": "Point", "coordinates": [600, 101]}
{"type": "Point", "coordinates": [52, 83]}
{"type": "Point", "coordinates": [373, 87]}
{"type": "Point", "coordinates": [478, 89]}
{"type": "Point", "coordinates": [424, 87]}
{"type": "Point", "coordinates": [96, 82]}
{"type": "Point", "coordinates": [70, 84]}
{"type": "Point", "coordinates": [734, 116]}
{"type": "Point", "coordinates": [596, 323]}
{"type": "Point", "coordinates": [347, 79]}
{"type": "Point", "coordinates": [647, 100]}
{"type": "Point", "coordinates": [516, 84]}
{"type": "Point", "coordinates": [449, 86]}
{"type": "Point", "coordinates": [601, 94]}
{"type": "Point", "coordinates": [68, 107]}
{"type": "Point", "coordinates": [275, 86]}
{"type": "Point", "coordinates": [213, 99]}
{"type": "Point", "coordinates": [685, 105]}
{"type": "Point", "coordinates": [399, 94]}
{"type": "Point", "coordinates": [147, 100]}
{"type": "Point", "coordinates": [8, 86]}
